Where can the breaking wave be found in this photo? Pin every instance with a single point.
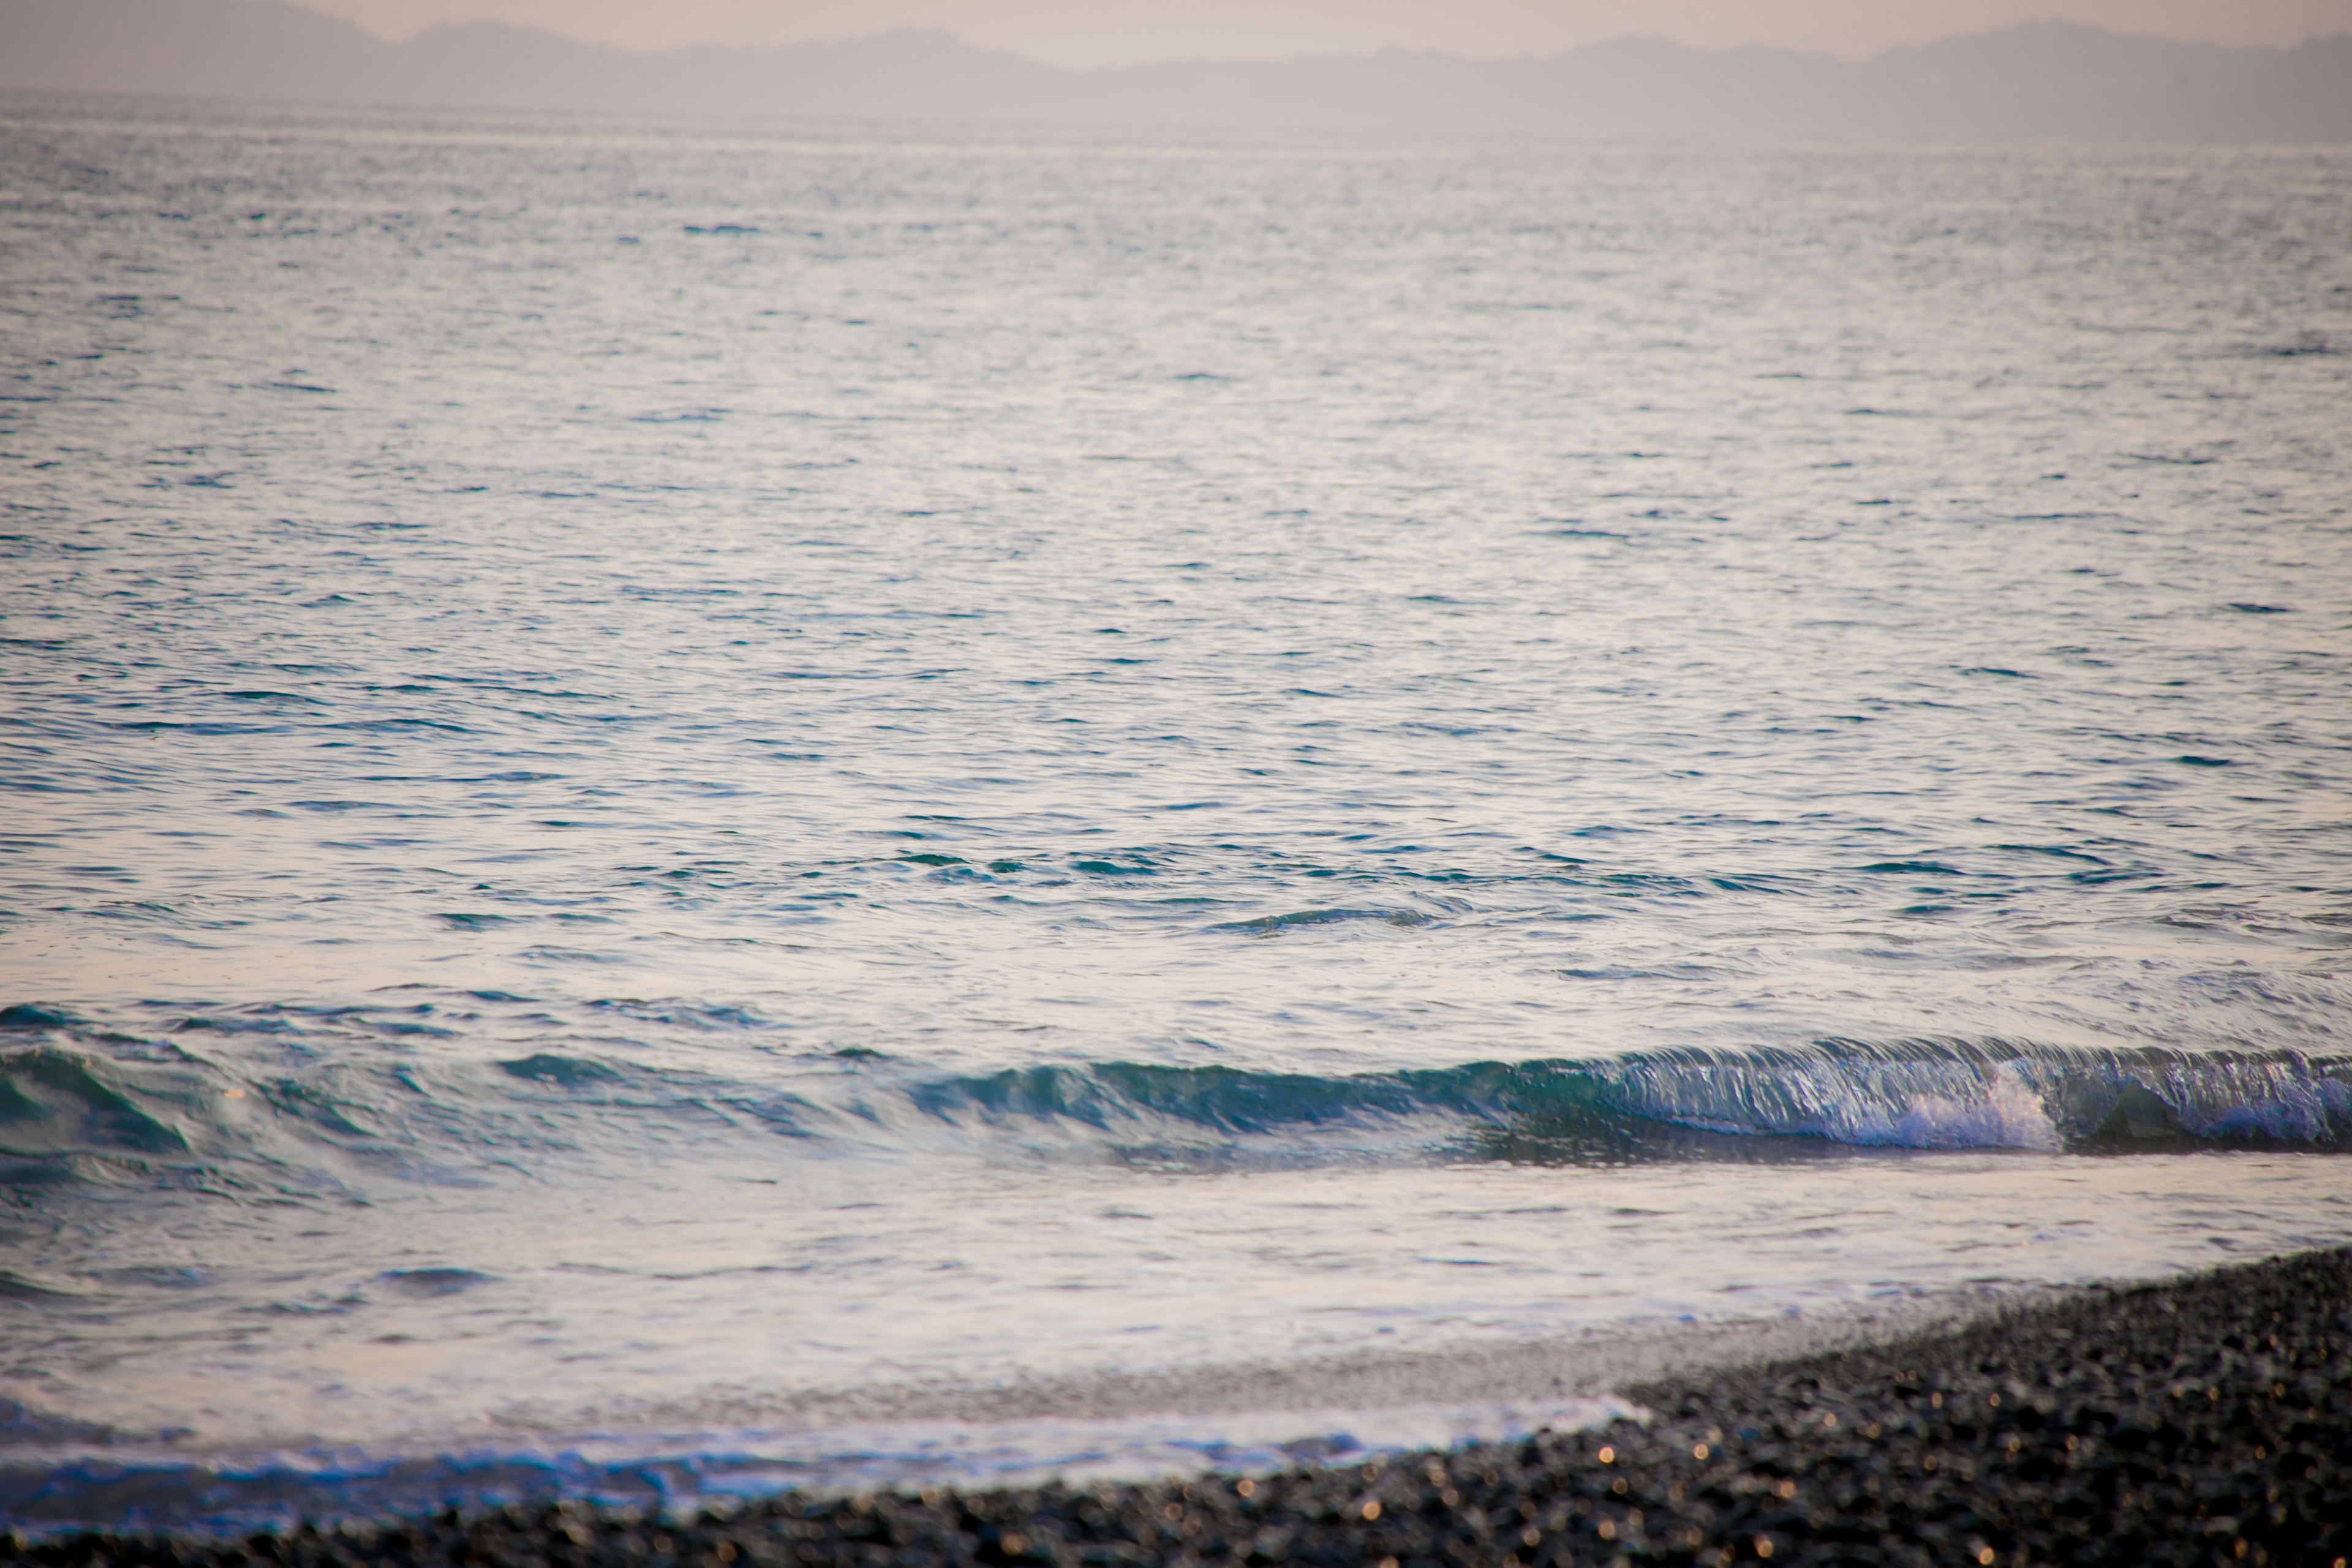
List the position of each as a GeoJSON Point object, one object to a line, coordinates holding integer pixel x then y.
{"type": "Point", "coordinates": [70, 1113]}
{"type": "Point", "coordinates": [1918, 1094]}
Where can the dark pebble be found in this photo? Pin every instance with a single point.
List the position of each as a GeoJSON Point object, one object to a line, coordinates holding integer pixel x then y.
{"type": "Point", "coordinates": [2206, 1421]}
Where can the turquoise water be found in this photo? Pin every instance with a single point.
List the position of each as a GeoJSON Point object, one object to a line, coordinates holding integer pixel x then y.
{"type": "Point", "coordinates": [782, 805]}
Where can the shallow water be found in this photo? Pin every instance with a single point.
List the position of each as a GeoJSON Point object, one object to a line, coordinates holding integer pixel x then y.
{"type": "Point", "coordinates": [709, 796]}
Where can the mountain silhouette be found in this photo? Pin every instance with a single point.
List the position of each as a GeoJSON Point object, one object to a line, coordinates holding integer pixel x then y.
{"type": "Point", "coordinates": [2040, 81]}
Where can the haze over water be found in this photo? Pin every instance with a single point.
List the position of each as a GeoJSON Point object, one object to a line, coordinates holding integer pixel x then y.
{"type": "Point", "coordinates": [775, 801]}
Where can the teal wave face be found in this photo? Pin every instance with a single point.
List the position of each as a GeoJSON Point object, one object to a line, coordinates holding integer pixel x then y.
{"type": "Point", "coordinates": [70, 1113]}
{"type": "Point", "coordinates": [1912, 1094]}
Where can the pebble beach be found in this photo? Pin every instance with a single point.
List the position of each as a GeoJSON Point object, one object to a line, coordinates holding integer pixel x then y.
{"type": "Point", "coordinates": [2204, 1420]}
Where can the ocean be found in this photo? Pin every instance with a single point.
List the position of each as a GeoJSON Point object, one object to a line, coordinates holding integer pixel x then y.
{"type": "Point", "coordinates": [695, 808]}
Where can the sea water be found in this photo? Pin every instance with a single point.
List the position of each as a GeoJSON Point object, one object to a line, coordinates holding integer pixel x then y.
{"type": "Point", "coordinates": [697, 807]}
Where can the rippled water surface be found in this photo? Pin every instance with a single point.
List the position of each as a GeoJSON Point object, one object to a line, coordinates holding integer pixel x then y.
{"type": "Point", "coordinates": [787, 799]}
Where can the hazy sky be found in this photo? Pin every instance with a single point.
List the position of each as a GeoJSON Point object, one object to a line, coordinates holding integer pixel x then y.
{"type": "Point", "coordinates": [1099, 32]}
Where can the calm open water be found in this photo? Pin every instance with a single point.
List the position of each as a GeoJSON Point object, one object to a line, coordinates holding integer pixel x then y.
{"type": "Point", "coordinates": [691, 808]}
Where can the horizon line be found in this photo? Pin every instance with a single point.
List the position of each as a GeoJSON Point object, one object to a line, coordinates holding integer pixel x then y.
{"type": "Point", "coordinates": [2043, 24]}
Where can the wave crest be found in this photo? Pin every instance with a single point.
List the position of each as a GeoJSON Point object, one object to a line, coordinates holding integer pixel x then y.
{"type": "Point", "coordinates": [75, 1114]}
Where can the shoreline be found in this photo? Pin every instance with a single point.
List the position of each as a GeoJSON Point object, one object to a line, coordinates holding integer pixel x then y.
{"type": "Point", "coordinates": [2197, 1420]}
{"type": "Point", "coordinates": [1245, 1417]}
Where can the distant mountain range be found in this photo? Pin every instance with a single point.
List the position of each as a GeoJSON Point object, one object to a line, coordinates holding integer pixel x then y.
{"type": "Point", "coordinates": [2044, 80]}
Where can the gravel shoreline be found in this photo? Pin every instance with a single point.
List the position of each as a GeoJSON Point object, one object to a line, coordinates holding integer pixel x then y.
{"type": "Point", "coordinates": [2205, 1420]}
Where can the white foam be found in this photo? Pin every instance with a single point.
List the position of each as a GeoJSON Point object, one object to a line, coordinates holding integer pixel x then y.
{"type": "Point", "coordinates": [1959, 1107]}
{"type": "Point", "coordinates": [2009, 1115]}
